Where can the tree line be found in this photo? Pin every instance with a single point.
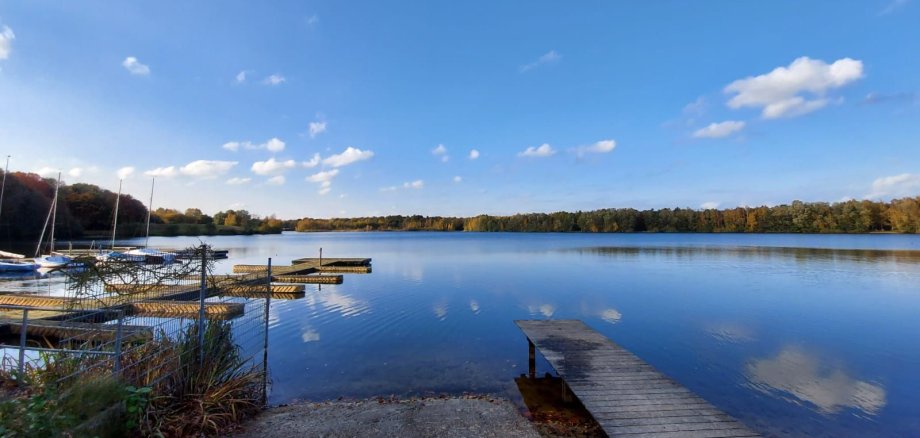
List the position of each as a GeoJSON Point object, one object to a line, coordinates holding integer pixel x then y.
{"type": "Point", "coordinates": [89, 210]}
{"type": "Point", "coordinates": [854, 216]}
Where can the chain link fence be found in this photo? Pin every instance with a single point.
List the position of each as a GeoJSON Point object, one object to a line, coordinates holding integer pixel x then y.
{"type": "Point", "coordinates": [170, 331]}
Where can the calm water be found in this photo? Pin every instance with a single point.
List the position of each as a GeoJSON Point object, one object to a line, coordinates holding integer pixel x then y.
{"type": "Point", "coordinates": [798, 335]}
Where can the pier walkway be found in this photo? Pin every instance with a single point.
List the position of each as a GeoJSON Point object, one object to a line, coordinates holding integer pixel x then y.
{"type": "Point", "coordinates": [624, 394]}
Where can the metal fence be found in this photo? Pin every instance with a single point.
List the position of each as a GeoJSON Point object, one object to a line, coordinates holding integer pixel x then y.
{"type": "Point", "coordinates": [142, 323]}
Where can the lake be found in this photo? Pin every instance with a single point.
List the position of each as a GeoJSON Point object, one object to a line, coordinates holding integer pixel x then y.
{"type": "Point", "coordinates": [793, 334]}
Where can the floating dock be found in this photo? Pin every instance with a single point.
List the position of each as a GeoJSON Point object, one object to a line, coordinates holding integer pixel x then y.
{"type": "Point", "coordinates": [308, 279]}
{"type": "Point", "coordinates": [83, 318]}
{"type": "Point", "coordinates": [624, 394]}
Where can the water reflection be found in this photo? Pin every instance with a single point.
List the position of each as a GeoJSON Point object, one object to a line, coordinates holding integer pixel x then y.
{"type": "Point", "coordinates": [547, 310]}
{"type": "Point", "coordinates": [335, 301]}
{"type": "Point", "coordinates": [742, 252]}
{"type": "Point", "coordinates": [440, 310]}
{"type": "Point", "coordinates": [796, 373]}
{"type": "Point", "coordinates": [474, 306]}
{"type": "Point", "coordinates": [731, 332]}
{"type": "Point", "coordinates": [310, 335]}
{"type": "Point", "coordinates": [612, 316]}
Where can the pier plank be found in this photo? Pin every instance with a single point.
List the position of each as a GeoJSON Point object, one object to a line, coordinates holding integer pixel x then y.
{"type": "Point", "coordinates": [626, 395]}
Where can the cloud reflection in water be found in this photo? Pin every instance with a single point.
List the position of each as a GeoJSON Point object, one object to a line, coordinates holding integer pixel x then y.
{"type": "Point", "coordinates": [801, 375]}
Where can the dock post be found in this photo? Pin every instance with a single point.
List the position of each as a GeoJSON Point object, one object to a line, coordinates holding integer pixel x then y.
{"type": "Point", "coordinates": [268, 303]}
{"type": "Point", "coordinates": [116, 368]}
{"type": "Point", "coordinates": [201, 297]}
{"type": "Point", "coordinates": [22, 343]}
{"type": "Point", "coordinates": [532, 360]}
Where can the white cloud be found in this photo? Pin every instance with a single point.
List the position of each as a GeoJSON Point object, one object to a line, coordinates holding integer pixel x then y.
{"type": "Point", "coordinates": [48, 172]}
{"type": "Point", "coordinates": [273, 144]}
{"type": "Point", "coordinates": [162, 172]}
{"type": "Point", "coordinates": [75, 172]}
{"type": "Point", "coordinates": [458, 179]}
{"type": "Point", "coordinates": [135, 67]}
{"type": "Point", "coordinates": [600, 147]}
{"type": "Point", "coordinates": [276, 180]}
{"type": "Point", "coordinates": [317, 128]}
{"type": "Point", "coordinates": [417, 184]}
{"type": "Point", "coordinates": [324, 177]}
{"type": "Point", "coordinates": [545, 150]}
{"type": "Point", "coordinates": [389, 189]}
{"type": "Point", "coordinates": [125, 172]}
{"type": "Point", "coordinates": [312, 162]}
{"type": "Point", "coordinates": [241, 77]}
{"type": "Point", "coordinates": [547, 58]}
{"type": "Point", "coordinates": [274, 79]}
{"type": "Point", "coordinates": [445, 159]}
{"type": "Point", "coordinates": [440, 150]}
{"type": "Point", "coordinates": [719, 130]}
{"type": "Point", "coordinates": [780, 92]}
{"type": "Point", "coordinates": [905, 184]}
{"type": "Point", "coordinates": [313, 19]}
{"type": "Point", "coordinates": [709, 205]}
{"type": "Point", "coordinates": [349, 156]}
{"type": "Point", "coordinates": [272, 166]}
{"type": "Point", "coordinates": [207, 168]}
{"type": "Point", "coordinates": [798, 375]}
{"type": "Point", "coordinates": [236, 181]}
{"type": "Point", "coordinates": [474, 154]}
{"type": "Point", "coordinates": [6, 42]}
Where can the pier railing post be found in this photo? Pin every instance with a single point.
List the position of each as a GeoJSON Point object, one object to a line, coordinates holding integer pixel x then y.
{"type": "Point", "coordinates": [116, 368]}
{"type": "Point", "coordinates": [22, 344]}
{"type": "Point", "coordinates": [532, 359]}
{"type": "Point", "coordinates": [201, 296]}
{"type": "Point", "coordinates": [268, 303]}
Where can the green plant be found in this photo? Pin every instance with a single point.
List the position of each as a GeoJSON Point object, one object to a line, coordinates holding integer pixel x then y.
{"type": "Point", "coordinates": [135, 405]}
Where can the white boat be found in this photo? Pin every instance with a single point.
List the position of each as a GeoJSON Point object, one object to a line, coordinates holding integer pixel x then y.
{"type": "Point", "coordinates": [17, 266]}
{"type": "Point", "coordinates": [52, 260]}
{"type": "Point", "coordinates": [152, 255]}
{"type": "Point", "coordinates": [118, 256]}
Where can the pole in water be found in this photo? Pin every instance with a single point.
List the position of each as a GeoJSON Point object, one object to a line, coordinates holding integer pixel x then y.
{"type": "Point", "coordinates": [153, 180]}
{"type": "Point", "coordinates": [115, 222]}
{"type": "Point", "coordinates": [201, 296]}
{"type": "Point", "coordinates": [54, 207]}
{"type": "Point", "coordinates": [268, 303]}
{"type": "Point", "coordinates": [6, 170]}
{"type": "Point", "coordinates": [321, 257]}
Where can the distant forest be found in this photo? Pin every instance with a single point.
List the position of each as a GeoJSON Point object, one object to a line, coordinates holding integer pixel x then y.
{"type": "Point", "coordinates": [87, 211]}
{"type": "Point", "coordinates": [897, 216]}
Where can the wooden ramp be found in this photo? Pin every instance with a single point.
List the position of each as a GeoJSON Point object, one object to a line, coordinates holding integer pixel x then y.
{"type": "Point", "coordinates": [623, 393]}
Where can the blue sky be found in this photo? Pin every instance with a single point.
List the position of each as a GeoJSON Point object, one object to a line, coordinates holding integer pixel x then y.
{"type": "Point", "coordinates": [364, 108]}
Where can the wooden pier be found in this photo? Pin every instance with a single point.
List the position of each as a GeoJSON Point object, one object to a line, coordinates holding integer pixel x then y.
{"type": "Point", "coordinates": [84, 317]}
{"type": "Point", "coordinates": [624, 394]}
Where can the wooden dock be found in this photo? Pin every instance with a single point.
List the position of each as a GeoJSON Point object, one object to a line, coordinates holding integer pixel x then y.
{"type": "Point", "coordinates": [332, 261]}
{"type": "Point", "coordinates": [624, 394]}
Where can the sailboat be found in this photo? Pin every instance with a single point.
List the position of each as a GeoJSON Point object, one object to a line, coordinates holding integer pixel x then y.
{"type": "Point", "coordinates": [52, 260]}
{"type": "Point", "coordinates": [11, 262]}
{"type": "Point", "coordinates": [152, 255]}
{"type": "Point", "coordinates": [117, 256]}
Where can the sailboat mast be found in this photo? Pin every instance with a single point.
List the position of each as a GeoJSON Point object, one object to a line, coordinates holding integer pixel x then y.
{"type": "Point", "coordinates": [54, 214]}
{"type": "Point", "coordinates": [115, 222]}
{"type": "Point", "coordinates": [6, 170]}
{"type": "Point", "coordinates": [149, 209]}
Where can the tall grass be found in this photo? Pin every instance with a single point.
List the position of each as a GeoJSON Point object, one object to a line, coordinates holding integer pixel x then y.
{"type": "Point", "coordinates": [186, 390]}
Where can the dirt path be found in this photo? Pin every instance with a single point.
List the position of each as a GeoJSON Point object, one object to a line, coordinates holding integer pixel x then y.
{"type": "Point", "coordinates": [449, 417]}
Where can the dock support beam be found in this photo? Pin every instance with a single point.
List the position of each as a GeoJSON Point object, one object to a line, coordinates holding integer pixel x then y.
{"type": "Point", "coordinates": [532, 360]}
